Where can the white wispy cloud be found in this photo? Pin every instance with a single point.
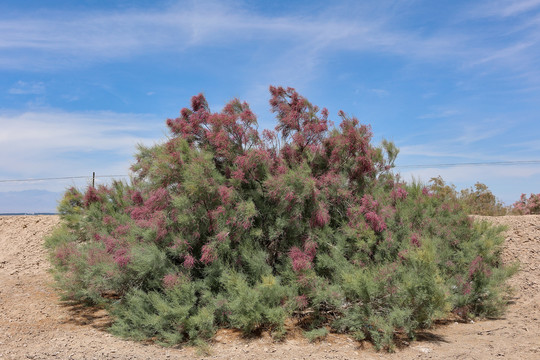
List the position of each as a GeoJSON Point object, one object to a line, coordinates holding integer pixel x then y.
{"type": "Point", "coordinates": [462, 141]}
{"type": "Point", "coordinates": [506, 54]}
{"type": "Point", "coordinates": [463, 174]}
{"type": "Point", "coordinates": [480, 130]}
{"type": "Point", "coordinates": [504, 8]}
{"type": "Point", "coordinates": [508, 40]}
{"type": "Point", "coordinates": [58, 143]}
{"type": "Point", "coordinates": [288, 48]}
{"type": "Point", "coordinates": [27, 88]}
{"type": "Point", "coordinates": [440, 114]}
{"type": "Point", "coordinates": [531, 147]}
{"type": "Point", "coordinates": [438, 151]}
{"type": "Point", "coordinates": [101, 36]}
{"type": "Point", "coordinates": [380, 92]}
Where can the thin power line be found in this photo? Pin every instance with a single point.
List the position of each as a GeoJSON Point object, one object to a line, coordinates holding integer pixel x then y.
{"type": "Point", "coordinates": [493, 163]}
{"type": "Point", "coordinates": [62, 178]}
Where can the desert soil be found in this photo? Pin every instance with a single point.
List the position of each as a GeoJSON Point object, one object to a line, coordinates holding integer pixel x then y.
{"type": "Point", "coordinates": [35, 324]}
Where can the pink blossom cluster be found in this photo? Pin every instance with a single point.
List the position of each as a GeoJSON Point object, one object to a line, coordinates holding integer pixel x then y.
{"type": "Point", "coordinates": [477, 266]}
{"type": "Point", "coordinates": [189, 261]}
{"type": "Point", "coordinates": [369, 207]}
{"type": "Point", "coordinates": [415, 240]}
{"type": "Point", "coordinates": [303, 260]}
{"type": "Point", "coordinates": [528, 206]}
{"type": "Point", "coordinates": [398, 193]}
{"type": "Point", "coordinates": [321, 217]}
{"type": "Point", "coordinates": [122, 257]}
{"type": "Point", "coordinates": [64, 253]}
{"type": "Point", "coordinates": [170, 281]}
{"type": "Point", "coordinates": [91, 196]}
{"type": "Point", "coordinates": [209, 254]}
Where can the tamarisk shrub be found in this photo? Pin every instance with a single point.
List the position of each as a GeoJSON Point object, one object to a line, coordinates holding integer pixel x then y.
{"type": "Point", "coordinates": [526, 206]}
{"type": "Point", "coordinates": [223, 226]}
{"type": "Point", "coordinates": [477, 201]}
{"type": "Point", "coordinates": [481, 201]}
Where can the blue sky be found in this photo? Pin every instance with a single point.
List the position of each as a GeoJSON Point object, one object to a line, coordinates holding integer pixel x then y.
{"type": "Point", "coordinates": [82, 82]}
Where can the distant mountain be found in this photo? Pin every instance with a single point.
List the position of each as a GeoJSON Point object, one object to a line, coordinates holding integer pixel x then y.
{"type": "Point", "coordinates": [29, 201]}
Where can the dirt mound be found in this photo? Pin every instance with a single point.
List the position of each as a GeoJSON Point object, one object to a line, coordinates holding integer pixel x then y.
{"type": "Point", "coordinates": [35, 324]}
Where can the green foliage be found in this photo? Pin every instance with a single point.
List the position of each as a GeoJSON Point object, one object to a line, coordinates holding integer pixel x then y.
{"type": "Point", "coordinates": [475, 201]}
{"type": "Point", "coordinates": [223, 227]}
{"type": "Point", "coordinates": [147, 267]}
{"type": "Point", "coordinates": [316, 334]}
{"type": "Point", "coordinates": [169, 317]}
{"type": "Point", "coordinates": [481, 201]}
{"type": "Point", "coordinates": [257, 306]}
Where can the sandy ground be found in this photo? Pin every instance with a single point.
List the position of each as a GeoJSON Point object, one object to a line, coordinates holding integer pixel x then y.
{"type": "Point", "coordinates": [34, 324]}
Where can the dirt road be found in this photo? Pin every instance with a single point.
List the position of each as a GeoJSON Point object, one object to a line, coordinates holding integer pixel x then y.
{"type": "Point", "coordinates": [34, 324]}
